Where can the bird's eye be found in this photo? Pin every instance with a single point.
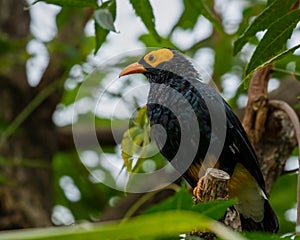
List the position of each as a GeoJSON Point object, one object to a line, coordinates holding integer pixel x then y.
{"type": "Point", "coordinates": [151, 58]}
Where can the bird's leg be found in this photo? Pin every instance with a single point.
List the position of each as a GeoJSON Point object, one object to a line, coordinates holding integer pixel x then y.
{"type": "Point", "coordinates": [197, 191]}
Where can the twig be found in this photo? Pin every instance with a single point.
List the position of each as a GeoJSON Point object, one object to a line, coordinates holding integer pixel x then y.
{"type": "Point", "coordinates": [295, 121]}
{"type": "Point", "coordinates": [280, 70]}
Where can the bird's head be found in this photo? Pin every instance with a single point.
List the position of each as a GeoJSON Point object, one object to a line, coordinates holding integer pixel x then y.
{"type": "Point", "coordinates": [160, 64]}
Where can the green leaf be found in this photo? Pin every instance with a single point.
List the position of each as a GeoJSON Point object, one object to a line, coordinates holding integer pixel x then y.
{"type": "Point", "coordinates": [191, 13]}
{"type": "Point", "coordinates": [144, 10]}
{"type": "Point", "coordinates": [189, 16]}
{"type": "Point", "coordinates": [171, 223]}
{"type": "Point", "coordinates": [150, 41]}
{"type": "Point", "coordinates": [135, 138]}
{"type": "Point", "coordinates": [285, 185]}
{"type": "Point", "coordinates": [271, 13]}
{"type": "Point", "coordinates": [71, 3]}
{"type": "Point", "coordinates": [101, 35]}
{"type": "Point", "coordinates": [182, 200]}
{"type": "Point", "coordinates": [69, 96]}
{"type": "Point", "coordinates": [103, 27]}
{"type": "Point", "coordinates": [273, 59]}
{"type": "Point", "coordinates": [223, 56]}
{"type": "Point", "coordinates": [273, 41]}
{"type": "Point", "coordinates": [105, 19]}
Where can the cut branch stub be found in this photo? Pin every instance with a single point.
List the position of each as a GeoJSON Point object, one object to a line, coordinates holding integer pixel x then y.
{"type": "Point", "coordinates": [212, 186]}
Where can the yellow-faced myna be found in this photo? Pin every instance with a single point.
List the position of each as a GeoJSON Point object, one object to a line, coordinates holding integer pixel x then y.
{"type": "Point", "coordinates": [177, 100]}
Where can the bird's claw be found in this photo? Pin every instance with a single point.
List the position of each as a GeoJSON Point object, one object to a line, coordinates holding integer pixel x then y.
{"type": "Point", "coordinates": [197, 192]}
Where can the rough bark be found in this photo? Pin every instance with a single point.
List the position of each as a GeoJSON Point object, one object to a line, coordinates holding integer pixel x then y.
{"type": "Point", "coordinates": [26, 190]}
{"type": "Point", "coordinates": [213, 186]}
{"type": "Point", "coordinates": [26, 152]}
{"type": "Point", "coordinates": [269, 129]}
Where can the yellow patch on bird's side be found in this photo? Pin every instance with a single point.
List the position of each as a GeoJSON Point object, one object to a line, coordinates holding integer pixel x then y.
{"type": "Point", "coordinates": [244, 187]}
{"type": "Point", "coordinates": [159, 56]}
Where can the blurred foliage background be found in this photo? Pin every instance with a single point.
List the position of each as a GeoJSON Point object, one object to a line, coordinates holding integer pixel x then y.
{"type": "Point", "coordinates": [59, 66]}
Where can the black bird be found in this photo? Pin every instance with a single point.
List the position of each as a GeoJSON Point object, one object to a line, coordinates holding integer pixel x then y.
{"type": "Point", "coordinates": [200, 126]}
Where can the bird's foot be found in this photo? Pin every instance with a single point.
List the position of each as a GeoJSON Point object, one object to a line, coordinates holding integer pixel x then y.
{"type": "Point", "coordinates": [197, 192]}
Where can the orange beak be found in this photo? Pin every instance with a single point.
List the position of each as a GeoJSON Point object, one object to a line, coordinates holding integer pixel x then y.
{"type": "Point", "coordinates": [133, 68]}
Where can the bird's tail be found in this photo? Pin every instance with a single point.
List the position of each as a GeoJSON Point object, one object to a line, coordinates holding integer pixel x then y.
{"type": "Point", "coordinates": [268, 224]}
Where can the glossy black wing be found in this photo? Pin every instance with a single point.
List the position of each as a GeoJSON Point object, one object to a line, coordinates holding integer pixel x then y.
{"type": "Point", "coordinates": [248, 157]}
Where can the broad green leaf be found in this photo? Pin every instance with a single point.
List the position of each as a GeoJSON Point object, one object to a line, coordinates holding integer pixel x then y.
{"type": "Point", "coordinates": [71, 3]}
{"type": "Point", "coordinates": [102, 32]}
{"type": "Point", "coordinates": [273, 41]}
{"type": "Point", "coordinates": [157, 225]}
{"type": "Point", "coordinates": [182, 200]}
{"type": "Point", "coordinates": [144, 10]}
{"type": "Point", "coordinates": [105, 19]}
{"type": "Point", "coordinates": [271, 13]}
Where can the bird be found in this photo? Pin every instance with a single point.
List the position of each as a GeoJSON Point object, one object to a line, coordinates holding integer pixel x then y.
{"type": "Point", "coordinates": [184, 105]}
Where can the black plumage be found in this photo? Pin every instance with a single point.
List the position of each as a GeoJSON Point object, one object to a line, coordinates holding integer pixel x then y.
{"type": "Point", "coordinates": [195, 116]}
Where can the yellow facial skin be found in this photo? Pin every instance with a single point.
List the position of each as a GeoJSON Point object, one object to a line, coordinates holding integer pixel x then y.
{"type": "Point", "coordinates": [159, 56]}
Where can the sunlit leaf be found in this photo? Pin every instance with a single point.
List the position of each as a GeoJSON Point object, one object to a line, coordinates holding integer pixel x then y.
{"type": "Point", "coordinates": [141, 117]}
{"type": "Point", "coordinates": [144, 10]}
{"type": "Point", "coordinates": [135, 138]}
{"type": "Point", "coordinates": [157, 225]}
{"type": "Point", "coordinates": [71, 3]}
{"type": "Point", "coordinates": [273, 41]}
{"type": "Point", "coordinates": [271, 13]}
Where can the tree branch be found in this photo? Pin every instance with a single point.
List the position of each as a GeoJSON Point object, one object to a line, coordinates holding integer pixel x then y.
{"type": "Point", "coordinates": [256, 110]}
{"type": "Point", "coordinates": [295, 121]}
{"type": "Point", "coordinates": [213, 186]}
